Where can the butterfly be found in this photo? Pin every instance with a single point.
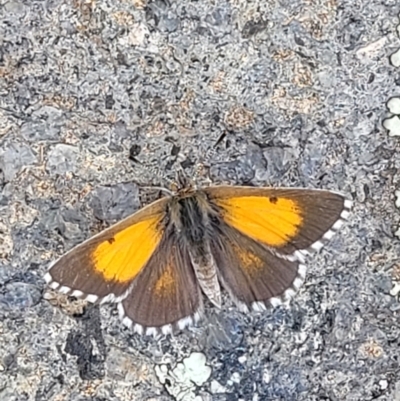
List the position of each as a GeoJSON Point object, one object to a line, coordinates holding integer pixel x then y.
{"type": "Point", "coordinates": [158, 263]}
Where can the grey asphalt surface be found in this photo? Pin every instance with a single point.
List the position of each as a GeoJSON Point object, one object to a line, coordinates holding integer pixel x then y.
{"type": "Point", "coordinates": [100, 100]}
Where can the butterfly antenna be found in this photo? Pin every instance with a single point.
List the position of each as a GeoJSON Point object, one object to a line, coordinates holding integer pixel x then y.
{"type": "Point", "coordinates": [161, 189]}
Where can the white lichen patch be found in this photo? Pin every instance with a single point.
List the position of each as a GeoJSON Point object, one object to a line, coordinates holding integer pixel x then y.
{"type": "Point", "coordinates": [395, 290]}
{"type": "Point", "coordinates": [395, 58]}
{"type": "Point", "coordinates": [392, 124]}
{"type": "Point", "coordinates": [397, 201]}
{"type": "Point", "coordinates": [393, 105]}
{"type": "Point", "coordinates": [181, 381]}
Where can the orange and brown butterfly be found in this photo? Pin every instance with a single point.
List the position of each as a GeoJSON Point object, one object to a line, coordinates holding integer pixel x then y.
{"type": "Point", "coordinates": [156, 264]}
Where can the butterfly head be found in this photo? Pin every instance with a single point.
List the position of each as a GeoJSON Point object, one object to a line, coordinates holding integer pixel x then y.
{"type": "Point", "coordinates": [183, 183]}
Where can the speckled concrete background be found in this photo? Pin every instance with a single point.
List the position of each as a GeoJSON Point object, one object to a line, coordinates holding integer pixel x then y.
{"type": "Point", "coordinates": [99, 99]}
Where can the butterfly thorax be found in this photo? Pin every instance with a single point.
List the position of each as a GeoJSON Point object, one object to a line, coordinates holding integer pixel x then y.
{"type": "Point", "coordinates": [191, 217]}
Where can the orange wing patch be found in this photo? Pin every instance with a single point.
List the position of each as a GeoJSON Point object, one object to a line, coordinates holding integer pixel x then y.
{"type": "Point", "coordinates": [166, 283]}
{"type": "Point", "coordinates": [121, 257]}
{"type": "Point", "coordinates": [271, 220]}
{"type": "Point", "coordinates": [249, 260]}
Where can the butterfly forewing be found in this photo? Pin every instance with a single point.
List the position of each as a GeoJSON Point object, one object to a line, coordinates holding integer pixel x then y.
{"type": "Point", "coordinates": [103, 267]}
{"type": "Point", "coordinates": [284, 219]}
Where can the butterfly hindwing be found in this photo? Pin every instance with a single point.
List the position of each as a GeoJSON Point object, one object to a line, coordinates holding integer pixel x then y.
{"type": "Point", "coordinates": [166, 294]}
{"type": "Point", "coordinates": [251, 273]}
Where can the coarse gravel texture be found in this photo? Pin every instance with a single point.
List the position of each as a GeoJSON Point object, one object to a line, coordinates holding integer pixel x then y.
{"type": "Point", "coordinates": [100, 100]}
